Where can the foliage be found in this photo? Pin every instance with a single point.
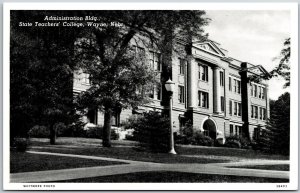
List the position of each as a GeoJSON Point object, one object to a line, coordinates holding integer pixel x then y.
{"type": "Point", "coordinates": [117, 67]}
{"type": "Point", "coordinates": [283, 68]}
{"type": "Point", "coordinates": [21, 144]}
{"type": "Point", "coordinates": [41, 75]}
{"type": "Point", "coordinates": [276, 137]}
{"type": "Point", "coordinates": [39, 131]}
{"type": "Point", "coordinates": [200, 139]}
{"type": "Point", "coordinates": [237, 142]}
{"type": "Point", "coordinates": [152, 130]}
{"type": "Point", "coordinates": [189, 135]}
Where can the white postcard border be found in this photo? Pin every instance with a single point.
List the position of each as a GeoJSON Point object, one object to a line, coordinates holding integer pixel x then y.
{"type": "Point", "coordinates": [293, 7]}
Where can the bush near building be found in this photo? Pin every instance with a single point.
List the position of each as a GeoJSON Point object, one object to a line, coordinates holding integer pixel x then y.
{"type": "Point", "coordinates": [151, 130]}
{"type": "Point", "coordinates": [188, 135]}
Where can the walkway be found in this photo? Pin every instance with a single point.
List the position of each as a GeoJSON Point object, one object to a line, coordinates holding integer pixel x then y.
{"type": "Point", "coordinates": [139, 166]}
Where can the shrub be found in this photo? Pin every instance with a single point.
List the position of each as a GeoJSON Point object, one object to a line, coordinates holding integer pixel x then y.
{"type": "Point", "coordinates": [94, 132]}
{"type": "Point", "coordinates": [39, 131]}
{"type": "Point", "coordinates": [152, 130]}
{"type": "Point", "coordinates": [200, 139]}
{"type": "Point", "coordinates": [237, 142]}
{"type": "Point", "coordinates": [21, 144]}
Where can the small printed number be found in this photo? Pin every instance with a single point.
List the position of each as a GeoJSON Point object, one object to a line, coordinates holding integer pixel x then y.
{"type": "Point", "coordinates": [281, 186]}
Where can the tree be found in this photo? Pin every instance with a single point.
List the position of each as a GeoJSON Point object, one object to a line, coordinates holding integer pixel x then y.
{"type": "Point", "coordinates": [116, 71]}
{"type": "Point", "coordinates": [41, 75]}
{"type": "Point", "coordinates": [276, 138]}
{"type": "Point", "coordinates": [283, 68]}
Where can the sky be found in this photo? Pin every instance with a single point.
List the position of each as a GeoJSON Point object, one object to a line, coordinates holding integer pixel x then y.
{"type": "Point", "coordinates": [252, 36]}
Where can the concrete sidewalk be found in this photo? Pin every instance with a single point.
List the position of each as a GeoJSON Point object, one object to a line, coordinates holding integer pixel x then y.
{"type": "Point", "coordinates": [138, 166]}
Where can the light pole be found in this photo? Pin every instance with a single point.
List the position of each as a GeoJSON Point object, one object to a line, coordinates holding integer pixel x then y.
{"type": "Point", "coordinates": [170, 88]}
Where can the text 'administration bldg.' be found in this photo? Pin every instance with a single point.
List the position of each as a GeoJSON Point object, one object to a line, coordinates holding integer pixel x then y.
{"type": "Point", "coordinates": [212, 90]}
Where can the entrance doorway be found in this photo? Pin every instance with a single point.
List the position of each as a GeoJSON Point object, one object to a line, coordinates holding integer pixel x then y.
{"type": "Point", "coordinates": [210, 129]}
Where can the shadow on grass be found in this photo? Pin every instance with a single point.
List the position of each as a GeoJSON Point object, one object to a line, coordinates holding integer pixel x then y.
{"type": "Point", "coordinates": [176, 177]}
{"type": "Point", "coordinates": [27, 162]}
{"type": "Point", "coordinates": [281, 167]}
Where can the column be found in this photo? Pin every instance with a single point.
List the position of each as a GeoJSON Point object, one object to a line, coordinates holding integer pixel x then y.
{"type": "Point", "coordinates": [216, 89]}
{"type": "Point", "coordinates": [192, 82]}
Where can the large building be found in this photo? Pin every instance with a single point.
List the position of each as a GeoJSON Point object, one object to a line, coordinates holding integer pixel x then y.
{"type": "Point", "coordinates": [214, 91]}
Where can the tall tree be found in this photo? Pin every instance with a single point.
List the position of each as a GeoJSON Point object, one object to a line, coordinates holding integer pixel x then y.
{"type": "Point", "coordinates": [41, 74]}
{"type": "Point", "coordinates": [276, 138]}
{"type": "Point", "coordinates": [116, 71]}
{"type": "Point", "coordinates": [283, 68]}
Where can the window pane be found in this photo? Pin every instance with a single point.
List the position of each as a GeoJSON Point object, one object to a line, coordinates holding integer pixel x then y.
{"type": "Point", "coordinates": [230, 83]}
{"type": "Point", "coordinates": [240, 109]}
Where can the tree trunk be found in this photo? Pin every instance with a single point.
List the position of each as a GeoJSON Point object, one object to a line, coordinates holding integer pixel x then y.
{"type": "Point", "coordinates": [107, 127]}
{"type": "Point", "coordinates": [52, 134]}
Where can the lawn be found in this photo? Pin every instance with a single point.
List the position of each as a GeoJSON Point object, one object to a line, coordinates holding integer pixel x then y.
{"type": "Point", "coordinates": [281, 167]}
{"type": "Point", "coordinates": [127, 150]}
{"type": "Point", "coordinates": [180, 177]}
{"type": "Point", "coordinates": [27, 162]}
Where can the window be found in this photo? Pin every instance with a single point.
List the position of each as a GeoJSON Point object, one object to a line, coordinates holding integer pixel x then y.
{"type": "Point", "coordinates": [251, 89]}
{"type": "Point", "coordinates": [222, 104]}
{"type": "Point", "coordinates": [203, 72]}
{"type": "Point", "coordinates": [238, 86]}
{"type": "Point", "coordinates": [259, 91]}
{"type": "Point", "coordinates": [255, 112]}
{"type": "Point", "coordinates": [255, 90]}
{"type": "Point", "coordinates": [86, 78]}
{"type": "Point", "coordinates": [158, 92]}
{"type": "Point", "coordinates": [262, 92]}
{"type": "Point", "coordinates": [264, 115]}
{"type": "Point", "coordinates": [155, 61]}
{"type": "Point", "coordinates": [181, 94]}
{"type": "Point", "coordinates": [235, 85]}
{"type": "Point", "coordinates": [235, 108]}
{"type": "Point", "coordinates": [203, 99]}
{"type": "Point", "coordinates": [231, 130]}
{"type": "Point", "coordinates": [149, 91]}
{"type": "Point", "coordinates": [230, 107]}
{"type": "Point", "coordinates": [181, 66]}
{"type": "Point", "coordinates": [239, 109]}
{"type": "Point", "coordinates": [230, 86]}
{"type": "Point", "coordinates": [260, 113]}
{"type": "Point", "coordinates": [221, 78]}
{"type": "Point", "coordinates": [252, 111]}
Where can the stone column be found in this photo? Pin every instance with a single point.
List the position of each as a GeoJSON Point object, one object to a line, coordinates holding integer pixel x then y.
{"type": "Point", "coordinates": [192, 82]}
{"type": "Point", "coordinates": [216, 85]}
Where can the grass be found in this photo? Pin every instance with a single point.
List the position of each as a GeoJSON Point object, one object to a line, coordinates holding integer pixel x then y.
{"type": "Point", "coordinates": [27, 162]}
{"type": "Point", "coordinates": [162, 176]}
{"type": "Point", "coordinates": [126, 150]}
{"type": "Point", "coordinates": [281, 167]}
{"type": "Point", "coordinates": [231, 152]}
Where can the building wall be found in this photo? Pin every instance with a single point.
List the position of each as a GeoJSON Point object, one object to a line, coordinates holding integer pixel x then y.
{"type": "Point", "coordinates": [192, 84]}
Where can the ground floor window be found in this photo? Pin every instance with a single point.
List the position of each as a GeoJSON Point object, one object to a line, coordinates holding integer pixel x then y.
{"type": "Point", "coordinates": [235, 130]}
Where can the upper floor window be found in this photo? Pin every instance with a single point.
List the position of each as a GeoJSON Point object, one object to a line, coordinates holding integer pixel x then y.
{"type": "Point", "coordinates": [230, 107]}
{"type": "Point", "coordinates": [182, 63]}
{"type": "Point", "coordinates": [230, 84]}
{"type": "Point", "coordinates": [181, 94]}
{"type": "Point", "coordinates": [203, 72]}
{"type": "Point", "coordinates": [155, 61]}
{"type": "Point", "coordinates": [203, 99]}
{"type": "Point", "coordinates": [258, 112]}
{"type": "Point", "coordinates": [236, 85]}
{"type": "Point", "coordinates": [221, 78]}
{"type": "Point", "coordinates": [257, 91]}
{"type": "Point", "coordinates": [235, 107]}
